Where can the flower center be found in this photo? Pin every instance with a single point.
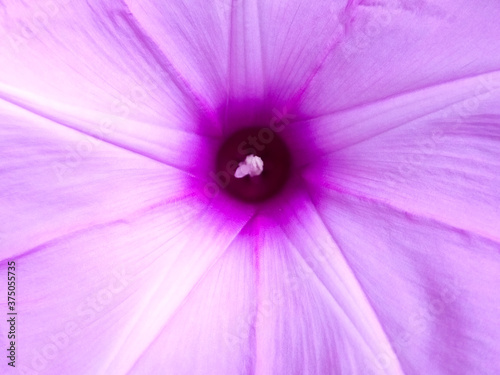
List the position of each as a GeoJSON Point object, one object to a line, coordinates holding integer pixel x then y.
{"type": "Point", "coordinates": [253, 164]}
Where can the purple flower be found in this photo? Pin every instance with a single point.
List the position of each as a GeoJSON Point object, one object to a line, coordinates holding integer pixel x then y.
{"type": "Point", "coordinates": [250, 187]}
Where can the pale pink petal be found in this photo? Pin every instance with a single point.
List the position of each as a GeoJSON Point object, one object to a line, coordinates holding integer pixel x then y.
{"type": "Point", "coordinates": [444, 166]}
{"type": "Point", "coordinates": [194, 37]}
{"type": "Point", "coordinates": [84, 64]}
{"type": "Point", "coordinates": [291, 41]}
{"type": "Point", "coordinates": [155, 141]}
{"type": "Point", "coordinates": [105, 292]}
{"type": "Point", "coordinates": [247, 49]}
{"type": "Point", "coordinates": [330, 133]}
{"type": "Point", "coordinates": [282, 300]}
{"type": "Point", "coordinates": [57, 181]}
{"type": "Point", "coordinates": [212, 332]}
{"type": "Point", "coordinates": [391, 47]}
{"type": "Point", "coordinates": [431, 285]}
{"type": "Point", "coordinates": [278, 46]}
{"type": "Point", "coordinates": [246, 66]}
{"type": "Point", "coordinates": [314, 317]}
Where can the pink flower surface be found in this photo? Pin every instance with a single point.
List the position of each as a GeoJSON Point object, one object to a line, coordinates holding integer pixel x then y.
{"type": "Point", "coordinates": [379, 255]}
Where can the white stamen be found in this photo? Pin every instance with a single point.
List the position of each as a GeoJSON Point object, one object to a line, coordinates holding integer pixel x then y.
{"type": "Point", "coordinates": [253, 166]}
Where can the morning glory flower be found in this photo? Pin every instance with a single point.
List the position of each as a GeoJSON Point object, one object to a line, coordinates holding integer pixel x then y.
{"type": "Point", "coordinates": [250, 187]}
